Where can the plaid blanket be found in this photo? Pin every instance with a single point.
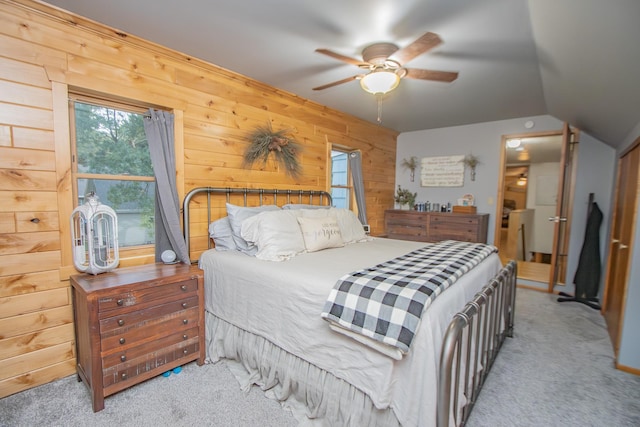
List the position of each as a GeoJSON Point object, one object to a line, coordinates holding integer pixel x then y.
{"type": "Point", "coordinates": [385, 302]}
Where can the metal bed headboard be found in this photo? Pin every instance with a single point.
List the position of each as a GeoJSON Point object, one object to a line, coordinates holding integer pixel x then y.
{"type": "Point", "coordinates": [291, 196]}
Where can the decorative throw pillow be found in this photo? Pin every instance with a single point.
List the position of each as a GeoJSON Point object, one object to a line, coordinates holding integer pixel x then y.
{"type": "Point", "coordinates": [276, 234]}
{"type": "Point", "coordinates": [237, 214]}
{"type": "Point", "coordinates": [222, 235]}
{"type": "Point", "coordinates": [320, 233]}
{"type": "Point", "coordinates": [350, 226]}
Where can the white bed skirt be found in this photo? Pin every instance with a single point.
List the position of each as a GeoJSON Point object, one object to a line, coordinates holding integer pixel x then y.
{"type": "Point", "coordinates": [314, 396]}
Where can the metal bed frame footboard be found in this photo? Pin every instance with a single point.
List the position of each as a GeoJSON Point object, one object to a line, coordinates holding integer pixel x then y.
{"type": "Point", "coordinates": [311, 197]}
{"type": "Point", "coordinates": [471, 344]}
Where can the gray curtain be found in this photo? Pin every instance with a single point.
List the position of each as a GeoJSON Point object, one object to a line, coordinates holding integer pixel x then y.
{"type": "Point", "coordinates": [355, 166]}
{"type": "Point", "coordinates": [158, 127]}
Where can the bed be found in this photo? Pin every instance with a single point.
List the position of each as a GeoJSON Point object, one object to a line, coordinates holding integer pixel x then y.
{"type": "Point", "coordinates": [263, 315]}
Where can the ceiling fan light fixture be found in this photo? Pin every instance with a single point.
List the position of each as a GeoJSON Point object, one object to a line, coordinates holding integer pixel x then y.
{"type": "Point", "coordinates": [380, 81]}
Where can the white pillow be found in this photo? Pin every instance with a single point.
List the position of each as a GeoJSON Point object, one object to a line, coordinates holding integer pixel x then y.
{"type": "Point", "coordinates": [276, 234]}
{"type": "Point", "coordinates": [222, 235]}
{"type": "Point", "coordinates": [350, 226]}
{"type": "Point", "coordinates": [304, 206]}
{"type": "Point", "coordinates": [237, 214]}
{"type": "Point", "coordinates": [320, 233]}
{"type": "Point", "coordinates": [312, 213]}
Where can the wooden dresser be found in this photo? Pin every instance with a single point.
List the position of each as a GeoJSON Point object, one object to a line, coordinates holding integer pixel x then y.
{"type": "Point", "coordinates": [135, 323]}
{"type": "Point", "coordinates": [436, 226]}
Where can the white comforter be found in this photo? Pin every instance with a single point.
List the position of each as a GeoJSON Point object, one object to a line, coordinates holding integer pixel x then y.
{"type": "Point", "coordinates": [282, 302]}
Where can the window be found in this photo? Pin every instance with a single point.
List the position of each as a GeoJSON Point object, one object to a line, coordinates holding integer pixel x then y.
{"type": "Point", "coordinates": [110, 157]}
{"type": "Point", "coordinates": [340, 180]}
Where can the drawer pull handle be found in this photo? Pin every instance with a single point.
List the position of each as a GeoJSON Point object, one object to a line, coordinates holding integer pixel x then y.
{"type": "Point", "coordinates": [123, 358]}
{"type": "Point", "coordinates": [183, 287]}
{"type": "Point", "coordinates": [185, 351]}
{"type": "Point", "coordinates": [35, 220]}
{"type": "Point", "coordinates": [120, 302]}
{"type": "Point", "coordinates": [121, 340]}
{"type": "Point", "coordinates": [184, 337]}
{"type": "Point", "coordinates": [185, 321]}
{"type": "Point", "coordinates": [124, 375]}
{"type": "Point", "coordinates": [184, 305]}
{"type": "Point", "coordinates": [120, 322]}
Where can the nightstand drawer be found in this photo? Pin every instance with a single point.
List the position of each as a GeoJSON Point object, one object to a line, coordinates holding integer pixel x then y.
{"type": "Point", "coordinates": [137, 297]}
{"type": "Point", "coordinates": [133, 353]}
{"type": "Point", "coordinates": [128, 371]}
{"type": "Point", "coordinates": [135, 317]}
{"type": "Point", "coordinates": [152, 329]}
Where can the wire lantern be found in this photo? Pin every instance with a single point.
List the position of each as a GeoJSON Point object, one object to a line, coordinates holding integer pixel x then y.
{"type": "Point", "coordinates": [94, 233]}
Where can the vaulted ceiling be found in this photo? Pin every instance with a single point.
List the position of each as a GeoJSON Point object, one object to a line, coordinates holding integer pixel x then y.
{"type": "Point", "coordinates": [577, 60]}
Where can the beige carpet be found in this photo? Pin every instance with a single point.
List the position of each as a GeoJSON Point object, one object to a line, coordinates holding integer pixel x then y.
{"type": "Point", "coordinates": [556, 371]}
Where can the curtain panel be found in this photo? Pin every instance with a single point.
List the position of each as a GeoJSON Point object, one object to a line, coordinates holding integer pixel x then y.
{"type": "Point", "coordinates": [158, 126]}
{"type": "Point", "coordinates": [355, 166]}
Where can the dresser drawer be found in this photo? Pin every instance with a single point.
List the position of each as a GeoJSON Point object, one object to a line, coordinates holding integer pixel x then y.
{"type": "Point", "coordinates": [406, 230]}
{"type": "Point", "coordinates": [136, 352]}
{"type": "Point", "coordinates": [128, 371]}
{"type": "Point", "coordinates": [124, 338]}
{"type": "Point", "coordinates": [130, 319]}
{"type": "Point", "coordinates": [406, 225]}
{"type": "Point", "coordinates": [139, 296]}
{"type": "Point", "coordinates": [454, 220]}
{"type": "Point", "coordinates": [435, 226]}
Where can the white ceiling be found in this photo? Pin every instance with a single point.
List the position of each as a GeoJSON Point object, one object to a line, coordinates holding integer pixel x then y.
{"type": "Point", "coordinates": [540, 149]}
{"type": "Point", "coordinates": [577, 60]}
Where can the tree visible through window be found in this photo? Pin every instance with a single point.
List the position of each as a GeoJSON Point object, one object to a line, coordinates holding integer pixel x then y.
{"type": "Point", "coordinates": [111, 159]}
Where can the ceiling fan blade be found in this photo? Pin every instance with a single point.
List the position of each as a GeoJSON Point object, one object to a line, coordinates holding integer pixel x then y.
{"type": "Point", "coordinates": [439, 76]}
{"type": "Point", "coordinates": [339, 82]}
{"type": "Point", "coordinates": [424, 44]}
{"type": "Point", "coordinates": [342, 58]}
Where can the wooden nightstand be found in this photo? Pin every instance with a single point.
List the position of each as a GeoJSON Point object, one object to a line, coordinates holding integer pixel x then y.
{"type": "Point", "coordinates": [135, 323]}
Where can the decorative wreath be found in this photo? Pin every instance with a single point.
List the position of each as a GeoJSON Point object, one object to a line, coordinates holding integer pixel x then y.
{"type": "Point", "coordinates": [264, 141]}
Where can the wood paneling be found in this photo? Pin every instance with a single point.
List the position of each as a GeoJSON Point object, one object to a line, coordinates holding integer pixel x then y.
{"type": "Point", "coordinates": [28, 303]}
{"type": "Point", "coordinates": [44, 54]}
{"type": "Point", "coordinates": [37, 377]}
{"type": "Point", "coordinates": [15, 346]}
{"type": "Point", "coordinates": [30, 282]}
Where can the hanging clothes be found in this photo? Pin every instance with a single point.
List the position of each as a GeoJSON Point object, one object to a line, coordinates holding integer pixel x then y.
{"type": "Point", "coordinates": [587, 277]}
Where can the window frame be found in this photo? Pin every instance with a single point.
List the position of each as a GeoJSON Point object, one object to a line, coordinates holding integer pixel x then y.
{"type": "Point", "coordinates": [125, 251]}
{"type": "Point", "coordinates": [349, 186]}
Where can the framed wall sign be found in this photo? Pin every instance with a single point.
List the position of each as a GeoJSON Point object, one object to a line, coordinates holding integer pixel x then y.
{"type": "Point", "coordinates": [442, 171]}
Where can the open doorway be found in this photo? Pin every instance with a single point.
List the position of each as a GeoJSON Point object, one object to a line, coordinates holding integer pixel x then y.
{"type": "Point", "coordinates": [533, 177]}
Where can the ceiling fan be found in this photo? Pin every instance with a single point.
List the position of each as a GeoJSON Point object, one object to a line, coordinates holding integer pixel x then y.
{"type": "Point", "coordinates": [385, 62]}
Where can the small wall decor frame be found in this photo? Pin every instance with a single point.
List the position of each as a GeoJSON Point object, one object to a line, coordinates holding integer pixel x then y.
{"type": "Point", "coordinates": [94, 237]}
{"type": "Point", "coordinates": [265, 141]}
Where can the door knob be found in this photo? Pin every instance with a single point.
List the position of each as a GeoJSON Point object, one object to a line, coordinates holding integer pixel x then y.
{"type": "Point", "coordinates": [557, 219]}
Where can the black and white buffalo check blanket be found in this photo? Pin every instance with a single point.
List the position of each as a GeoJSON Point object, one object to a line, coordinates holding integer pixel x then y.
{"type": "Point", "coordinates": [385, 302]}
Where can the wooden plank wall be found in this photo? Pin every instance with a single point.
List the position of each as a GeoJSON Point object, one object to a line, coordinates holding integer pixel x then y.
{"type": "Point", "coordinates": [45, 53]}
